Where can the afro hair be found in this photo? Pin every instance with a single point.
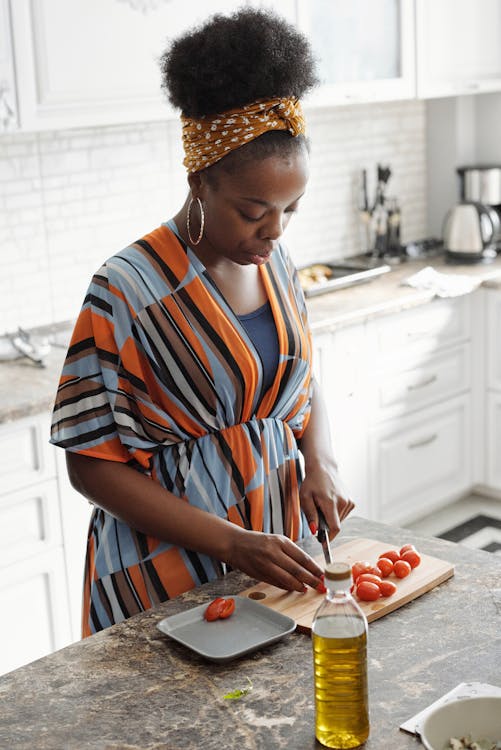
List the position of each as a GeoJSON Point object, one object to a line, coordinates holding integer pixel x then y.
{"type": "Point", "coordinates": [233, 60]}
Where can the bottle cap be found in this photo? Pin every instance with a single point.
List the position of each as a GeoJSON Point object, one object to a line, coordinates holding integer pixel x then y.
{"type": "Point", "coordinates": [337, 571]}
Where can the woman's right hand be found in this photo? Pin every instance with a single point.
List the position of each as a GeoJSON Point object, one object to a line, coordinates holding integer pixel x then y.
{"type": "Point", "coordinates": [275, 559]}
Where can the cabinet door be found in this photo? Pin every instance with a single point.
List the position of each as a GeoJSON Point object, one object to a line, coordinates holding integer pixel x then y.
{"type": "Point", "coordinates": [458, 47]}
{"type": "Point", "coordinates": [493, 429]}
{"type": "Point", "coordinates": [365, 50]}
{"type": "Point", "coordinates": [493, 348]}
{"type": "Point", "coordinates": [340, 372]}
{"type": "Point", "coordinates": [26, 458]}
{"type": "Point", "coordinates": [89, 62]}
{"type": "Point", "coordinates": [421, 461]}
{"type": "Point", "coordinates": [8, 104]}
{"type": "Point", "coordinates": [35, 619]}
{"type": "Point", "coordinates": [29, 522]}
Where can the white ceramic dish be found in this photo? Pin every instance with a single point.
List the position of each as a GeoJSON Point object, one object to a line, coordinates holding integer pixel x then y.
{"type": "Point", "coordinates": [251, 626]}
{"type": "Point", "coordinates": [478, 717]}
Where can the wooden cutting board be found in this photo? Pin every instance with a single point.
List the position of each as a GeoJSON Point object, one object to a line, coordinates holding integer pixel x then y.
{"type": "Point", "coordinates": [302, 607]}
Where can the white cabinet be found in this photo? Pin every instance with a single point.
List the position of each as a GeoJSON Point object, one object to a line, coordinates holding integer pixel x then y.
{"type": "Point", "coordinates": [8, 103]}
{"type": "Point", "coordinates": [421, 460]}
{"type": "Point", "coordinates": [493, 393]}
{"type": "Point", "coordinates": [33, 583]}
{"type": "Point", "coordinates": [419, 397]}
{"type": "Point", "coordinates": [340, 371]}
{"type": "Point", "coordinates": [458, 47]}
{"type": "Point", "coordinates": [88, 63]}
{"type": "Point", "coordinates": [43, 532]}
{"type": "Point", "coordinates": [365, 50]}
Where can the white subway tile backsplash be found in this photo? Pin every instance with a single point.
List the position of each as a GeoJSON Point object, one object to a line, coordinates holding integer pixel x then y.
{"type": "Point", "coordinates": [70, 199]}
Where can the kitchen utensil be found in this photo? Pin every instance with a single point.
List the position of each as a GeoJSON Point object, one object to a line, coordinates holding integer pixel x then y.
{"type": "Point", "coordinates": [320, 278]}
{"type": "Point", "coordinates": [323, 536]}
{"type": "Point", "coordinates": [251, 626]}
{"type": "Point", "coordinates": [469, 229]}
{"type": "Point", "coordinates": [302, 607]}
{"type": "Point", "coordinates": [478, 718]}
{"type": "Point", "coordinates": [481, 183]}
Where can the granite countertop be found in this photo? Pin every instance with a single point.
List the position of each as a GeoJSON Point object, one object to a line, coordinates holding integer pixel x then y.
{"type": "Point", "coordinates": [387, 294]}
{"type": "Point", "coordinates": [26, 389]}
{"type": "Point", "coordinates": [131, 687]}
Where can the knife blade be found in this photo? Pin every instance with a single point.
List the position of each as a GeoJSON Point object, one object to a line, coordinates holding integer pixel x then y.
{"type": "Point", "coordinates": [323, 536]}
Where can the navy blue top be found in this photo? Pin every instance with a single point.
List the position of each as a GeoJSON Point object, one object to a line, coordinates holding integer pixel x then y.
{"type": "Point", "coordinates": [261, 329]}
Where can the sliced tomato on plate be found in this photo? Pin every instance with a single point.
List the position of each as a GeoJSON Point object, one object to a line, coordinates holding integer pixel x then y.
{"type": "Point", "coordinates": [214, 609]}
{"type": "Point", "coordinates": [219, 609]}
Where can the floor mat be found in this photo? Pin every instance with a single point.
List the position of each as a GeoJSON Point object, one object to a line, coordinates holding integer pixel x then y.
{"type": "Point", "coordinates": [478, 532]}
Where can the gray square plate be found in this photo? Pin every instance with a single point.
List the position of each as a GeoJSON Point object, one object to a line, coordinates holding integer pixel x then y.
{"type": "Point", "coordinates": [251, 626]}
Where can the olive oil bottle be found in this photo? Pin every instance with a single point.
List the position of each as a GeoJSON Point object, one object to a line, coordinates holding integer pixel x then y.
{"type": "Point", "coordinates": [339, 634]}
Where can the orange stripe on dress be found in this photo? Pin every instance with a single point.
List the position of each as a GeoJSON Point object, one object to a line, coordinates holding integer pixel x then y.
{"type": "Point", "coordinates": [111, 450]}
{"type": "Point", "coordinates": [256, 503]}
{"type": "Point", "coordinates": [137, 579]}
{"type": "Point", "coordinates": [173, 572]}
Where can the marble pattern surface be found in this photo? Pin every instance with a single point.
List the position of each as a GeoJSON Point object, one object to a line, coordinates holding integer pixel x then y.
{"type": "Point", "coordinates": [131, 687]}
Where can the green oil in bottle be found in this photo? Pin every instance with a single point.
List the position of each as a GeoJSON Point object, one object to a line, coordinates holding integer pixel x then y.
{"type": "Point", "coordinates": [339, 634]}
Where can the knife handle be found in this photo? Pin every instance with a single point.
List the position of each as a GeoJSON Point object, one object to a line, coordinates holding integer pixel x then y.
{"type": "Point", "coordinates": [322, 523]}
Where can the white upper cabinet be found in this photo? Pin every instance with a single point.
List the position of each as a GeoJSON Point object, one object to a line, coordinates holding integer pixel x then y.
{"type": "Point", "coordinates": [8, 104]}
{"type": "Point", "coordinates": [365, 49]}
{"type": "Point", "coordinates": [458, 47]}
{"type": "Point", "coordinates": [95, 62]}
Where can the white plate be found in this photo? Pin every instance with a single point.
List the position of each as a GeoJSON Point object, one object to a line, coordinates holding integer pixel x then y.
{"type": "Point", "coordinates": [251, 626]}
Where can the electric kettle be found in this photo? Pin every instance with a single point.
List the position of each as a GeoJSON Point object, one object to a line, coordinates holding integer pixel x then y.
{"type": "Point", "coordinates": [469, 230]}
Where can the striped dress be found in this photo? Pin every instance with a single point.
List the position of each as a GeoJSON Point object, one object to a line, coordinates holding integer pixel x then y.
{"type": "Point", "coordinates": [161, 374]}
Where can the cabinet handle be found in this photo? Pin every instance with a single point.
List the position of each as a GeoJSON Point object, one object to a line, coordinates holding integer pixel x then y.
{"type": "Point", "coordinates": [425, 441]}
{"type": "Point", "coordinates": [422, 384]}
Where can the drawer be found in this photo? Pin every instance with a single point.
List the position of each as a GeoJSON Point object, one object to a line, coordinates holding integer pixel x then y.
{"type": "Point", "coordinates": [421, 461]}
{"type": "Point", "coordinates": [419, 384]}
{"type": "Point", "coordinates": [33, 593]}
{"type": "Point", "coordinates": [29, 521]}
{"type": "Point", "coordinates": [443, 322]}
{"type": "Point", "coordinates": [26, 456]}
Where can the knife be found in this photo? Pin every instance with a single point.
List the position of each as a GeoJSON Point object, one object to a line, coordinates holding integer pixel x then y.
{"type": "Point", "coordinates": [323, 536]}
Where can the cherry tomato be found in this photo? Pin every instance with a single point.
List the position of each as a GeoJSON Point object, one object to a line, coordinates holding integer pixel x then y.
{"type": "Point", "coordinates": [228, 608]}
{"type": "Point", "coordinates": [387, 588]}
{"type": "Point", "coordinates": [412, 557]}
{"type": "Point", "coordinates": [401, 568]}
{"type": "Point", "coordinates": [368, 591]}
{"type": "Point", "coordinates": [369, 577]}
{"type": "Point", "coordinates": [213, 611]}
{"type": "Point", "coordinates": [391, 554]}
{"type": "Point", "coordinates": [385, 565]}
{"type": "Point", "coordinates": [406, 548]}
{"type": "Point", "coordinates": [358, 567]}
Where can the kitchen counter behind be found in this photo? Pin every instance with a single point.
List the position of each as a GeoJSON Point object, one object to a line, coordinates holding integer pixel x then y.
{"type": "Point", "coordinates": [387, 294]}
{"type": "Point", "coordinates": [26, 389]}
{"type": "Point", "coordinates": [131, 687]}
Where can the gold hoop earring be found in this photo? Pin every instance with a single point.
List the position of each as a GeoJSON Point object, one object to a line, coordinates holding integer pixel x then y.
{"type": "Point", "coordinates": [202, 222]}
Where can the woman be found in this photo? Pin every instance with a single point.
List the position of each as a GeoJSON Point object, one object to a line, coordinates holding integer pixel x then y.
{"type": "Point", "coordinates": [187, 386]}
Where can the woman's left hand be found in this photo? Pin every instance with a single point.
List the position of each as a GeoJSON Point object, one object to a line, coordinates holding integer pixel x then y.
{"type": "Point", "coordinates": [322, 488]}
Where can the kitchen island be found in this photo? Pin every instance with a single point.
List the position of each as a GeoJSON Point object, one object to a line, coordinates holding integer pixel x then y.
{"type": "Point", "coordinates": [131, 687]}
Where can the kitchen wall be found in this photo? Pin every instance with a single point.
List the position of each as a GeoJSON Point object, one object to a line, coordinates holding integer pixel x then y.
{"type": "Point", "coordinates": [70, 199]}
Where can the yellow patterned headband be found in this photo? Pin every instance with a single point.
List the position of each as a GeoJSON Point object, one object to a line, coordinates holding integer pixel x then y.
{"type": "Point", "coordinates": [207, 139]}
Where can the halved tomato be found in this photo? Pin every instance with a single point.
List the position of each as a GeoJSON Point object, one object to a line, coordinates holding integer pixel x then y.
{"type": "Point", "coordinates": [228, 608]}
{"type": "Point", "coordinates": [213, 611]}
